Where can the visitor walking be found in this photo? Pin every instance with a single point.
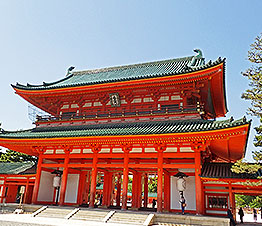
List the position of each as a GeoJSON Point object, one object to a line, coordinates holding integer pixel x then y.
{"type": "Point", "coordinates": [153, 203]}
{"type": "Point", "coordinates": [255, 215]}
{"type": "Point", "coordinates": [230, 216]}
{"type": "Point", "coordinates": [241, 214]}
{"type": "Point", "coordinates": [183, 204]}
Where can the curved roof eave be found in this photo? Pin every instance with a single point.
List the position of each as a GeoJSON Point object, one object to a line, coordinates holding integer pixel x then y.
{"type": "Point", "coordinates": [59, 84]}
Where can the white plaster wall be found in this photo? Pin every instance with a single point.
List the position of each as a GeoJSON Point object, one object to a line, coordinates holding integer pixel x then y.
{"type": "Point", "coordinates": [72, 188]}
{"type": "Point", "coordinates": [46, 189]}
{"type": "Point", "coordinates": [189, 194]}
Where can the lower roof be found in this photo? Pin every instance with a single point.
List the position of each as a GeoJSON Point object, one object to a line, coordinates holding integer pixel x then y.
{"type": "Point", "coordinates": [19, 168]}
{"type": "Point", "coordinates": [223, 171]}
{"type": "Point", "coordinates": [122, 129]}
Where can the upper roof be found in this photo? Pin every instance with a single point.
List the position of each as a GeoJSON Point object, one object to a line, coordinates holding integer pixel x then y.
{"type": "Point", "coordinates": [17, 168]}
{"type": "Point", "coordinates": [126, 73]}
{"type": "Point", "coordinates": [223, 170]}
{"type": "Point", "coordinates": [134, 128]}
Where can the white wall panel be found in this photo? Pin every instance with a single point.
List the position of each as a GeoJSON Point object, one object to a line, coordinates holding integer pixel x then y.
{"type": "Point", "coordinates": [72, 188]}
{"type": "Point", "coordinates": [46, 189]}
{"type": "Point", "coordinates": [189, 194]}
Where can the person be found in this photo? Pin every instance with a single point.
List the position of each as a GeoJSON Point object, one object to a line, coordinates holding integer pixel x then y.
{"type": "Point", "coordinates": [230, 216]}
{"type": "Point", "coordinates": [255, 214]}
{"type": "Point", "coordinates": [101, 200]}
{"type": "Point", "coordinates": [183, 204]}
{"type": "Point", "coordinates": [241, 214]}
{"type": "Point", "coordinates": [154, 203]}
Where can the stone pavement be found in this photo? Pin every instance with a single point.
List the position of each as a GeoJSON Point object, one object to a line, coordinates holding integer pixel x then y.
{"type": "Point", "coordinates": [27, 220]}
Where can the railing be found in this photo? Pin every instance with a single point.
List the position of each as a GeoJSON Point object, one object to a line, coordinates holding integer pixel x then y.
{"type": "Point", "coordinates": [165, 109]}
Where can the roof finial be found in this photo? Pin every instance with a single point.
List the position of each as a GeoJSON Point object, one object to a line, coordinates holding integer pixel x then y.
{"type": "Point", "coordinates": [69, 70]}
{"type": "Point", "coordinates": [193, 62]}
{"type": "Point", "coordinates": [199, 53]}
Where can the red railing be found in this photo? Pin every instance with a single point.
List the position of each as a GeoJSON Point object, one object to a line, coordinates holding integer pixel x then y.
{"type": "Point", "coordinates": [165, 109]}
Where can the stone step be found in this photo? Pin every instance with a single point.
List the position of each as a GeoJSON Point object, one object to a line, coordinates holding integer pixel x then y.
{"type": "Point", "coordinates": [128, 218]}
{"type": "Point", "coordinates": [55, 213]}
{"type": "Point", "coordinates": [91, 215]}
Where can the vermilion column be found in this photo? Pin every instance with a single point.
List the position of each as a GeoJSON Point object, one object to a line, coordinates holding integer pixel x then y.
{"type": "Point", "coordinates": [167, 191]}
{"type": "Point", "coordinates": [139, 190]}
{"type": "Point", "coordinates": [93, 181]}
{"type": "Point", "coordinates": [110, 189]}
{"type": "Point", "coordinates": [3, 190]}
{"type": "Point", "coordinates": [145, 190]}
{"type": "Point", "coordinates": [232, 200]}
{"type": "Point", "coordinates": [160, 181]}
{"type": "Point", "coordinates": [37, 177]}
{"type": "Point", "coordinates": [198, 183]}
{"type": "Point", "coordinates": [64, 179]}
{"type": "Point", "coordinates": [125, 178]}
{"type": "Point", "coordinates": [118, 190]}
{"type": "Point", "coordinates": [134, 190]}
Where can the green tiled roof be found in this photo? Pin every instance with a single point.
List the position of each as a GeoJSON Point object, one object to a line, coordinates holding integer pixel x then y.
{"type": "Point", "coordinates": [16, 167]}
{"type": "Point", "coordinates": [223, 170]}
{"type": "Point", "coordinates": [135, 128]}
{"type": "Point", "coordinates": [125, 73]}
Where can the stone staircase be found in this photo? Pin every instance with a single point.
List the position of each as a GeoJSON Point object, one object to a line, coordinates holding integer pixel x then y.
{"type": "Point", "coordinates": [115, 217]}
{"type": "Point", "coordinates": [188, 220]}
{"type": "Point", "coordinates": [124, 217]}
{"type": "Point", "coordinates": [55, 212]}
{"type": "Point", "coordinates": [90, 214]}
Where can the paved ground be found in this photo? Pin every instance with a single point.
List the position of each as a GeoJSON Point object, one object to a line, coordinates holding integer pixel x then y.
{"type": "Point", "coordinates": [27, 220]}
{"type": "Point", "coordinates": [248, 220]}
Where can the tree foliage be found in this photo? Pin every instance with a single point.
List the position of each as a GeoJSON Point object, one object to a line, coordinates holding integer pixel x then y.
{"type": "Point", "coordinates": [253, 94]}
{"type": "Point", "coordinates": [248, 201]}
{"type": "Point", "coordinates": [13, 156]}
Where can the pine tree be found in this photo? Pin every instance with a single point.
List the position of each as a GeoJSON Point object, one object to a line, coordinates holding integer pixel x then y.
{"type": "Point", "coordinates": [13, 156]}
{"type": "Point", "coordinates": [253, 94]}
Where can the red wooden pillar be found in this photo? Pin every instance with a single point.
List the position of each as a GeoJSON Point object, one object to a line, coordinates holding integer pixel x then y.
{"type": "Point", "coordinates": [3, 190]}
{"type": "Point", "coordinates": [118, 192]}
{"type": "Point", "coordinates": [88, 186]}
{"type": "Point", "coordinates": [37, 177]}
{"type": "Point", "coordinates": [232, 200]}
{"type": "Point", "coordinates": [81, 185]}
{"type": "Point", "coordinates": [159, 180]}
{"type": "Point", "coordinates": [198, 183]}
{"type": "Point", "coordinates": [145, 190]}
{"type": "Point", "coordinates": [64, 178]}
{"type": "Point", "coordinates": [125, 177]}
{"type": "Point", "coordinates": [134, 190]}
{"type": "Point", "coordinates": [110, 189]}
{"type": "Point", "coordinates": [139, 190]}
{"type": "Point", "coordinates": [93, 181]}
{"type": "Point", "coordinates": [167, 192]}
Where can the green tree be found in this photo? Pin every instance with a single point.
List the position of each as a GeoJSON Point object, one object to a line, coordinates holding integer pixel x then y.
{"type": "Point", "coordinates": [152, 185]}
{"type": "Point", "coordinates": [13, 156]}
{"type": "Point", "coordinates": [253, 94]}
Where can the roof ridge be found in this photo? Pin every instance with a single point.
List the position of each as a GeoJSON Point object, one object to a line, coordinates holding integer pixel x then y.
{"type": "Point", "coordinates": [130, 66]}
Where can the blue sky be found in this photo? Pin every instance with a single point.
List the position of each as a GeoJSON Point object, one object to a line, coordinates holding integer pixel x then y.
{"type": "Point", "coordinates": [40, 39]}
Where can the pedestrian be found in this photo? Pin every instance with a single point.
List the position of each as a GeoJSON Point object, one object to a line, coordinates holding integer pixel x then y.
{"type": "Point", "coordinates": [255, 215]}
{"type": "Point", "coordinates": [154, 203]}
{"type": "Point", "coordinates": [241, 214]}
{"type": "Point", "coordinates": [230, 216]}
{"type": "Point", "coordinates": [183, 204]}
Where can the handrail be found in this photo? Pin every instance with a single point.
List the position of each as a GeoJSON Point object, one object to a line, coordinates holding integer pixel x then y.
{"type": "Point", "coordinates": [166, 109]}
